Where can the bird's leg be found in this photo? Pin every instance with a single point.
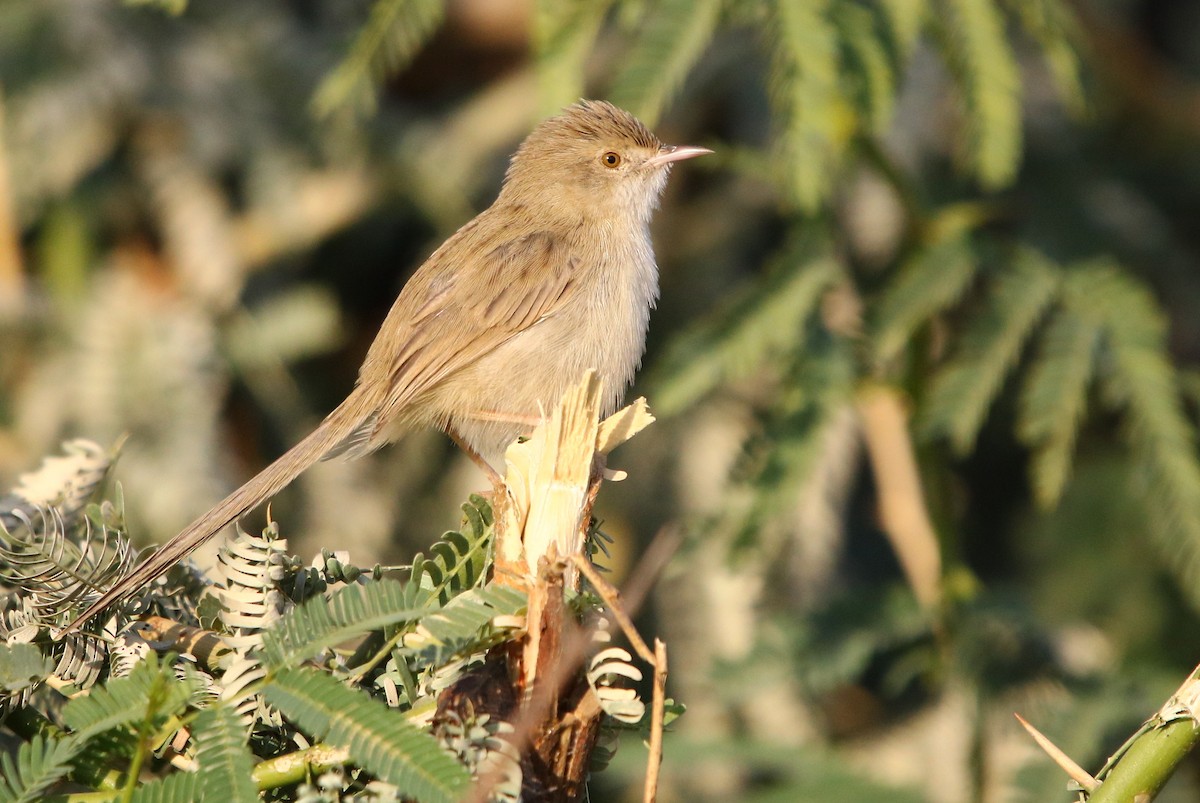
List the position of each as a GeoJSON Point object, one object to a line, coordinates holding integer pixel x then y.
{"type": "Point", "coordinates": [492, 416]}
{"type": "Point", "coordinates": [496, 480]}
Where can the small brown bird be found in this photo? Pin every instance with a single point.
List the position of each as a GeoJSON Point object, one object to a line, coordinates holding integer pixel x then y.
{"type": "Point", "coordinates": [555, 278]}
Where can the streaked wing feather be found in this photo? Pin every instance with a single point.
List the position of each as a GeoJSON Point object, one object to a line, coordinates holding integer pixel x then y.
{"type": "Point", "coordinates": [529, 277]}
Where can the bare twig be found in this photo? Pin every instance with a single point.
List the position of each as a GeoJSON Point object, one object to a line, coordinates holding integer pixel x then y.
{"type": "Point", "coordinates": [657, 717]}
{"type": "Point", "coordinates": [12, 275]}
{"type": "Point", "coordinates": [612, 598]}
{"type": "Point", "coordinates": [901, 499]}
{"type": "Point", "coordinates": [574, 648]}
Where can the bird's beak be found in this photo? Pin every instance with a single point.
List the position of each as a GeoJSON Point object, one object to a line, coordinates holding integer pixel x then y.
{"type": "Point", "coordinates": [675, 153]}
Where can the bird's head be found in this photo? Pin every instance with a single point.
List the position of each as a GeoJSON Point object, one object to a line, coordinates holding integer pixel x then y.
{"type": "Point", "coordinates": [593, 156]}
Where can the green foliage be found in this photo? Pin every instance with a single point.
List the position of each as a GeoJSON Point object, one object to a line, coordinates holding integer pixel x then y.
{"type": "Point", "coordinates": [671, 39]}
{"type": "Point", "coordinates": [965, 387]}
{"type": "Point", "coordinates": [1054, 399]}
{"type": "Point", "coordinates": [173, 7]}
{"type": "Point", "coordinates": [322, 623]}
{"type": "Point", "coordinates": [225, 762]}
{"type": "Point", "coordinates": [179, 787]}
{"type": "Point", "coordinates": [985, 69]}
{"type": "Point", "coordinates": [852, 633]}
{"type": "Point", "coordinates": [430, 627]}
{"type": "Point", "coordinates": [459, 622]}
{"type": "Point", "coordinates": [392, 36]}
{"type": "Point", "coordinates": [930, 280]}
{"type": "Point", "coordinates": [1053, 27]}
{"type": "Point", "coordinates": [459, 560]}
{"type": "Point", "coordinates": [22, 666]}
{"type": "Point", "coordinates": [905, 19]}
{"type": "Point", "coordinates": [152, 693]}
{"type": "Point", "coordinates": [780, 458]}
{"type": "Point", "coordinates": [564, 32]}
{"type": "Point", "coordinates": [805, 90]}
{"type": "Point", "coordinates": [40, 763]}
{"type": "Point", "coordinates": [379, 740]}
{"type": "Point", "coordinates": [1142, 381]}
{"type": "Point", "coordinates": [868, 63]}
{"type": "Point", "coordinates": [760, 325]}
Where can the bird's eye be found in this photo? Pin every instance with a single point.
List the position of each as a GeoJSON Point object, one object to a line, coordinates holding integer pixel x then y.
{"type": "Point", "coordinates": [611, 159]}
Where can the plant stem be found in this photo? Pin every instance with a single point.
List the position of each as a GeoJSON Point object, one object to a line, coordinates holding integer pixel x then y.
{"type": "Point", "coordinates": [295, 767]}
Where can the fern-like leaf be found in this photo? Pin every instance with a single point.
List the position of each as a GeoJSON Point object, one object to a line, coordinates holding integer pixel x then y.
{"type": "Point", "coordinates": [322, 623]}
{"type": "Point", "coordinates": [929, 281]}
{"type": "Point", "coordinates": [392, 36]}
{"type": "Point", "coordinates": [22, 666]}
{"type": "Point", "coordinates": [1053, 26]}
{"type": "Point", "coordinates": [756, 327]}
{"type": "Point", "coordinates": [379, 740]}
{"type": "Point", "coordinates": [868, 65]}
{"type": "Point", "coordinates": [780, 460]}
{"type": "Point", "coordinates": [225, 762]}
{"type": "Point", "coordinates": [152, 689]}
{"type": "Point", "coordinates": [669, 44]}
{"type": "Point", "coordinates": [458, 561]}
{"type": "Point", "coordinates": [805, 90]}
{"type": "Point", "coordinates": [1054, 398]}
{"type": "Point", "coordinates": [459, 622]}
{"type": "Point", "coordinates": [39, 763]}
{"type": "Point", "coordinates": [905, 18]}
{"type": "Point", "coordinates": [67, 482]}
{"type": "Point", "coordinates": [1143, 382]}
{"type": "Point", "coordinates": [963, 391]}
{"type": "Point", "coordinates": [985, 69]}
{"type": "Point", "coordinates": [563, 34]}
{"type": "Point", "coordinates": [178, 787]}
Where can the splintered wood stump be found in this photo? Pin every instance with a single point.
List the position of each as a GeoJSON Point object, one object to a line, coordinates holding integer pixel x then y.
{"type": "Point", "coordinates": [541, 521]}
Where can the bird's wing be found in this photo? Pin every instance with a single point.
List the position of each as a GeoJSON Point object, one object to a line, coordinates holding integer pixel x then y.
{"type": "Point", "coordinates": [464, 302]}
{"type": "Point", "coordinates": [507, 289]}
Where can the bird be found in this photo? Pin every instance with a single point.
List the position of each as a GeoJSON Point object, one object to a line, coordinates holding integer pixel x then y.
{"type": "Point", "coordinates": [557, 277]}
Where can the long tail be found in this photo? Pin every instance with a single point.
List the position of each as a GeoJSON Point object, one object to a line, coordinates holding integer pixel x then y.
{"type": "Point", "coordinates": [336, 428]}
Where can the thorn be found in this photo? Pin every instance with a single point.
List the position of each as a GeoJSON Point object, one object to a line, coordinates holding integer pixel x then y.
{"type": "Point", "coordinates": [1077, 773]}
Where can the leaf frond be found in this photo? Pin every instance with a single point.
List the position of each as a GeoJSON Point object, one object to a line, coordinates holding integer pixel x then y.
{"type": "Point", "coordinates": [983, 65]}
{"type": "Point", "coordinates": [805, 92]}
{"type": "Point", "coordinates": [378, 739]}
{"type": "Point", "coordinates": [391, 37]}
{"type": "Point", "coordinates": [39, 763]}
{"type": "Point", "coordinates": [929, 281]}
{"type": "Point", "coordinates": [1054, 399]}
{"type": "Point", "coordinates": [22, 666]}
{"type": "Point", "coordinates": [756, 326]}
{"type": "Point", "coordinates": [178, 787]}
{"type": "Point", "coordinates": [459, 560]}
{"type": "Point", "coordinates": [151, 691]}
{"type": "Point", "coordinates": [868, 66]}
{"type": "Point", "coordinates": [780, 459]}
{"type": "Point", "coordinates": [670, 42]}
{"type": "Point", "coordinates": [225, 761]}
{"type": "Point", "coordinates": [967, 386]}
{"type": "Point", "coordinates": [563, 35]}
{"type": "Point", "coordinates": [1052, 24]}
{"type": "Point", "coordinates": [905, 18]}
{"type": "Point", "coordinates": [1142, 381]}
{"type": "Point", "coordinates": [322, 623]}
{"type": "Point", "coordinates": [459, 623]}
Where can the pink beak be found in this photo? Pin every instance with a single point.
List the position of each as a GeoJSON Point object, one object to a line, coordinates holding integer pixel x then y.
{"type": "Point", "coordinates": [675, 153]}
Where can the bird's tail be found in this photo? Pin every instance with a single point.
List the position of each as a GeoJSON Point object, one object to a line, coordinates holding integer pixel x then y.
{"type": "Point", "coordinates": [335, 429]}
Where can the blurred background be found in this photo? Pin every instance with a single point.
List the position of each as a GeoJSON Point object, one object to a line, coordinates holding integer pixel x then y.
{"type": "Point", "coordinates": [925, 361]}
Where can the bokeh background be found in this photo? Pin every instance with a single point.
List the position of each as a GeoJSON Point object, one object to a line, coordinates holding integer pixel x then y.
{"type": "Point", "coordinates": [925, 361]}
